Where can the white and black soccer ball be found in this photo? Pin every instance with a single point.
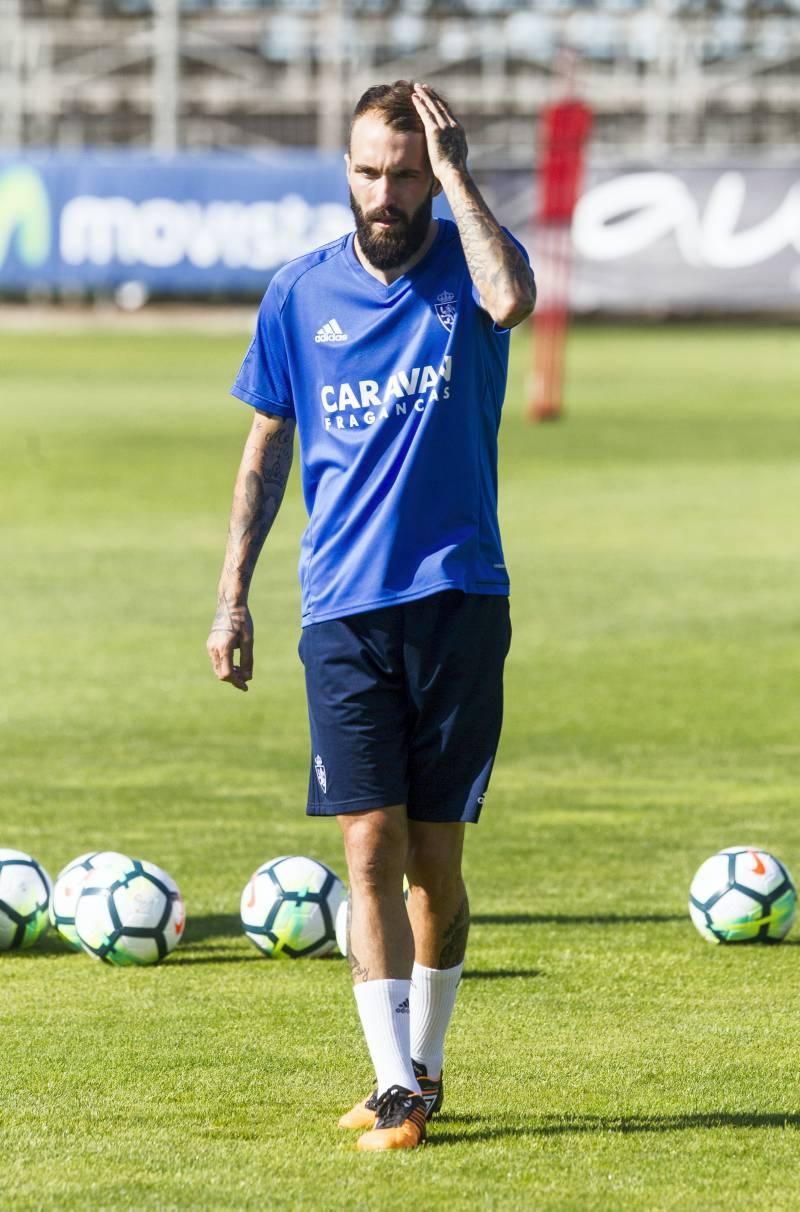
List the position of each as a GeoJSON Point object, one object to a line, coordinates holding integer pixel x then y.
{"type": "Point", "coordinates": [743, 895]}
{"type": "Point", "coordinates": [341, 925]}
{"type": "Point", "coordinates": [343, 914]}
{"type": "Point", "coordinates": [289, 907]}
{"type": "Point", "coordinates": [24, 899]}
{"type": "Point", "coordinates": [68, 886]}
{"type": "Point", "coordinates": [130, 914]}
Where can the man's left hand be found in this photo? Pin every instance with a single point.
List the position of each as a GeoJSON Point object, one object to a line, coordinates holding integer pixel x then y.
{"type": "Point", "coordinates": [447, 143]}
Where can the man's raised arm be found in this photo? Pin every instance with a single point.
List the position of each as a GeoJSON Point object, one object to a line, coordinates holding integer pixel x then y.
{"type": "Point", "coordinates": [500, 272]}
{"type": "Point", "coordinates": [257, 497]}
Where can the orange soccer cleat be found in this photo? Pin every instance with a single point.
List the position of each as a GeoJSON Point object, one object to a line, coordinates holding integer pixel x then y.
{"type": "Point", "coordinates": [399, 1122]}
{"type": "Point", "coordinates": [362, 1115]}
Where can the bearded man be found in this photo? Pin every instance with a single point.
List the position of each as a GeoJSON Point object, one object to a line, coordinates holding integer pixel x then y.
{"type": "Point", "coordinates": [388, 351]}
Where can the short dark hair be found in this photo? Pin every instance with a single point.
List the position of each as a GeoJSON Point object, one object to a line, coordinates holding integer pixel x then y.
{"type": "Point", "coordinates": [394, 105]}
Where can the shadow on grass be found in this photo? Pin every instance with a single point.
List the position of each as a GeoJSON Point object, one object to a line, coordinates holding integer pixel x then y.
{"type": "Point", "coordinates": [499, 974]}
{"type": "Point", "coordinates": [228, 925]}
{"type": "Point", "coordinates": [212, 925]}
{"type": "Point", "coordinates": [49, 947]}
{"type": "Point", "coordinates": [210, 939]}
{"type": "Point", "coordinates": [220, 930]}
{"type": "Point", "coordinates": [225, 927]}
{"type": "Point", "coordinates": [185, 958]}
{"type": "Point", "coordinates": [573, 919]}
{"type": "Point", "coordinates": [478, 1127]}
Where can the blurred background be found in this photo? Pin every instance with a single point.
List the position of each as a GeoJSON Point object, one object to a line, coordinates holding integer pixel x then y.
{"type": "Point", "coordinates": [187, 148]}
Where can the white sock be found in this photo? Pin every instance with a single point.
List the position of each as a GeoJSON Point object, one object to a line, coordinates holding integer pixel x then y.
{"type": "Point", "coordinates": [383, 1008]}
{"type": "Point", "coordinates": [433, 996]}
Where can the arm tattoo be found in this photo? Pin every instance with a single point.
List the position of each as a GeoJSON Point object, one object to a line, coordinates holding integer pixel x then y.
{"type": "Point", "coordinates": [496, 265]}
{"type": "Point", "coordinates": [453, 146]}
{"type": "Point", "coordinates": [454, 943]}
{"type": "Point", "coordinates": [260, 486]}
{"type": "Point", "coordinates": [225, 614]}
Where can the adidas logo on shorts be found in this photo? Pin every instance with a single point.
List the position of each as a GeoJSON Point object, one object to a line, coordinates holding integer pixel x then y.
{"type": "Point", "coordinates": [403, 1008]}
{"type": "Point", "coordinates": [330, 332]}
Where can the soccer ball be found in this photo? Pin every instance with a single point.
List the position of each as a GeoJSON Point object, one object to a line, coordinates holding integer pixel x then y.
{"type": "Point", "coordinates": [743, 895]}
{"type": "Point", "coordinates": [24, 897]}
{"type": "Point", "coordinates": [68, 885]}
{"type": "Point", "coordinates": [129, 913]}
{"type": "Point", "coordinates": [341, 925]}
{"type": "Point", "coordinates": [341, 918]}
{"type": "Point", "coordinates": [289, 907]}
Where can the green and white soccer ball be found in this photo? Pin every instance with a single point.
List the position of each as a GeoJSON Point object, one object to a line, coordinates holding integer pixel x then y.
{"type": "Point", "coordinates": [341, 925]}
{"type": "Point", "coordinates": [289, 907]}
{"type": "Point", "coordinates": [24, 899]}
{"type": "Point", "coordinates": [743, 895]}
{"type": "Point", "coordinates": [130, 913]}
{"type": "Point", "coordinates": [342, 916]}
{"type": "Point", "coordinates": [70, 881]}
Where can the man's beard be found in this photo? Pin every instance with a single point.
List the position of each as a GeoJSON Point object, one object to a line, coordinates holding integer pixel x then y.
{"type": "Point", "coordinates": [396, 244]}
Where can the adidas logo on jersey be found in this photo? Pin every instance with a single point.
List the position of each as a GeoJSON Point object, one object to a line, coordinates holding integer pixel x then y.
{"type": "Point", "coordinates": [330, 332]}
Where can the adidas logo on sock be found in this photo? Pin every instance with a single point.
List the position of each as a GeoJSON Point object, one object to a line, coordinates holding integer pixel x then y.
{"type": "Point", "coordinates": [330, 332]}
{"type": "Point", "coordinates": [403, 1008]}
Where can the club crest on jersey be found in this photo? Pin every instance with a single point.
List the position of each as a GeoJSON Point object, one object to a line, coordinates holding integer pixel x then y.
{"type": "Point", "coordinates": [321, 773]}
{"type": "Point", "coordinates": [445, 308]}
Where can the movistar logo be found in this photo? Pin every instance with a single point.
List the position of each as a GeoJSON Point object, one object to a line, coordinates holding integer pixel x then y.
{"type": "Point", "coordinates": [24, 216]}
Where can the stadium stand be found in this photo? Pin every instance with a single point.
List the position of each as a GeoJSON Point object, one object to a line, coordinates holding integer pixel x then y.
{"type": "Point", "coordinates": [674, 74]}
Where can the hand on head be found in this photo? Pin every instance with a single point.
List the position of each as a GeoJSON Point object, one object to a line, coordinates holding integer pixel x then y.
{"type": "Point", "coordinates": [447, 143]}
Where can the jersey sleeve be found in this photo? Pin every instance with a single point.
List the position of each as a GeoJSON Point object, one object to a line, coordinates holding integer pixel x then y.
{"type": "Point", "coordinates": [476, 292]}
{"type": "Point", "coordinates": [263, 379]}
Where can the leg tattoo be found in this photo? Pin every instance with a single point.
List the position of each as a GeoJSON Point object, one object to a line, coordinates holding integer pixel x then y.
{"type": "Point", "coordinates": [358, 973]}
{"type": "Point", "coordinates": [454, 943]}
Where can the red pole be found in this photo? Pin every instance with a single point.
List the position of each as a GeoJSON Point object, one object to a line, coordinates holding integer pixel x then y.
{"type": "Point", "coordinates": [564, 130]}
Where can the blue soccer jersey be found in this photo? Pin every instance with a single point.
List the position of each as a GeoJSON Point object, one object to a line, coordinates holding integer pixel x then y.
{"type": "Point", "coordinates": [397, 392]}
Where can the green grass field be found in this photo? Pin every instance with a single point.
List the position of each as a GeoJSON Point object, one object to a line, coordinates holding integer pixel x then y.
{"type": "Point", "coordinates": [601, 1055]}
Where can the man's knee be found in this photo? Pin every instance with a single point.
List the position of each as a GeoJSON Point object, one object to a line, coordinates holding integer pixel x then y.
{"type": "Point", "coordinates": [435, 886]}
{"type": "Point", "coordinates": [436, 892]}
{"type": "Point", "coordinates": [434, 860]}
{"type": "Point", "coordinates": [375, 845]}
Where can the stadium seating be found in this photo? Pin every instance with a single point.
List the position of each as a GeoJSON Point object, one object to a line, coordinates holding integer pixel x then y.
{"type": "Point", "coordinates": [284, 71]}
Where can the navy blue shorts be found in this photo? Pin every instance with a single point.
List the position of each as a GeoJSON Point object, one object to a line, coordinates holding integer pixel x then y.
{"type": "Point", "coordinates": [405, 705]}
